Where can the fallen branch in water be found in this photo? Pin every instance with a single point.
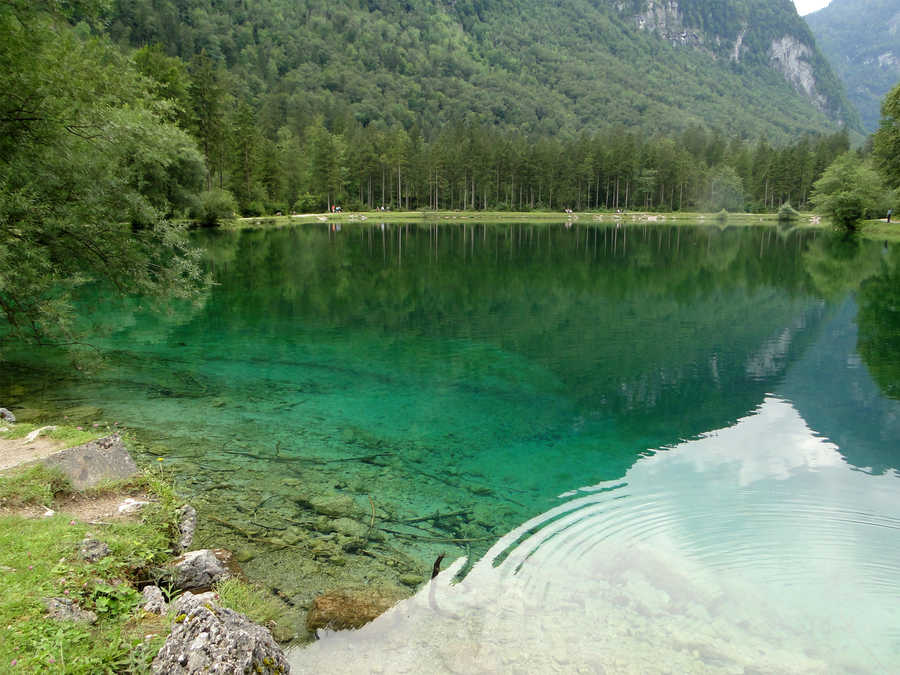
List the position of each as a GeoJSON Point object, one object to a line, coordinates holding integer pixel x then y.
{"type": "Point", "coordinates": [436, 516]}
{"type": "Point", "coordinates": [250, 537]}
{"type": "Point", "coordinates": [372, 522]}
{"type": "Point", "coordinates": [437, 566]}
{"type": "Point", "coordinates": [435, 539]}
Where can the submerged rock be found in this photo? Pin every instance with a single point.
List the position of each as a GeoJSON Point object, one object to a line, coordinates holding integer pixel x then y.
{"type": "Point", "coordinates": [345, 609]}
{"type": "Point", "coordinates": [207, 638]}
{"type": "Point", "coordinates": [334, 505]}
{"type": "Point", "coordinates": [199, 570]}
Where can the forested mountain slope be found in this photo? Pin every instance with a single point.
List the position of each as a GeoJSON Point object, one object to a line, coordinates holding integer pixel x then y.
{"type": "Point", "coordinates": [861, 38]}
{"type": "Point", "coordinates": [747, 67]}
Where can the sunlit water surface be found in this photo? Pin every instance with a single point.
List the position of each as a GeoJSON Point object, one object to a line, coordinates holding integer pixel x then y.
{"type": "Point", "coordinates": [647, 448]}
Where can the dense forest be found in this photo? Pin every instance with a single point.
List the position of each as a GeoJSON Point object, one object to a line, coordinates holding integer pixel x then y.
{"type": "Point", "coordinates": [537, 66]}
{"type": "Point", "coordinates": [860, 39]}
{"type": "Point", "coordinates": [297, 106]}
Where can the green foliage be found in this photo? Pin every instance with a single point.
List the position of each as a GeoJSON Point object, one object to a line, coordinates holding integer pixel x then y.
{"type": "Point", "coordinates": [787, 213]}
{"type": "Point", "coordinates": [89, 171]}
{"type": "Point", "coordinates": [214, 207]}
{"type": "Point", "coordinates": [257, 604]}
{"type": "Point", "coordinates": [847, 191]}
{"type": "Point", "coordinates": [39, 559]}
{"type": "Point", "coordinates": [113, 601]}
{"type": "Point", "coordinates": [538, 67]}
{"type": "Point", "coordinates": [886, 141]}
{"type": "Point", "coordinates": [879, 326]}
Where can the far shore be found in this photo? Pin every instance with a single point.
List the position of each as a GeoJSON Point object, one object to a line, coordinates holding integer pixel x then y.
{"type": "Point", "coordinates": [879, 230]}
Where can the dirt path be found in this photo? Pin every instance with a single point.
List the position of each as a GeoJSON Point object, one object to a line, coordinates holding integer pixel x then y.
{"type": "Point", "coordinates": [21, 450]}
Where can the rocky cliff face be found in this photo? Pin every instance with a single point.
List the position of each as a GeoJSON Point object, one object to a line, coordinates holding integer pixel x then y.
{"type": "Point", "coordinates": [861, 39]}
{"type": "Point", "coordinates": [792, 59]}
{"type": "Point", "coordinates": [747, 32]}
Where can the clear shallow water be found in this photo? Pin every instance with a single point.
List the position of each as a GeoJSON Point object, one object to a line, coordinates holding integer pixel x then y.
{"type": "Point", "coordinates": [496, 373]}
{"type": "Point", "coordinates": [703, 558]}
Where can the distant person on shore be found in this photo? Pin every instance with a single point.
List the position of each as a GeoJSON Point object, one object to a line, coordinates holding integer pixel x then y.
{"type": "Point", "coordinates": [890, 213]}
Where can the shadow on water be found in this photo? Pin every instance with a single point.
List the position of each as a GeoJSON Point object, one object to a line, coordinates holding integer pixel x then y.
{"type": "Point", "coordinates": [349, 404]}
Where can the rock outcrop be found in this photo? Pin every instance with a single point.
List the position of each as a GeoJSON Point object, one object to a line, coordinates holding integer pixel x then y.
{"type": "Point", "coordinates": [792, 59]}
{"type": "Point", "coordinates": [207, 638]}
{"type": "Point", "coordinates": [187, 525]}
{"type": "Point", "coordinates": [153, 600]}
{"type": "Point", "coordinates": [7, 416]}
{"type": "Point", "coordinates": [93, 463]}
{"type": "Point", "coordinates": [199, 570]}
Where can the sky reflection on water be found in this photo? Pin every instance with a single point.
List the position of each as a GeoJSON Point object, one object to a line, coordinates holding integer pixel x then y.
{"type": "Point", "coordinates": [753, 547]}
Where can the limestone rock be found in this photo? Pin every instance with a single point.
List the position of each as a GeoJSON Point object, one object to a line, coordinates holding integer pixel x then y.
{"type": "Point", "coordinates": [93, 550]}
{"type": "Point", "coordinates": [65, 609]}
{"type": "Point", "coordinates": [154, 602]}
{"type": "Point", "coordinates": [207, 638]}
{"type": "Point", "coordinates": [185, 602]}
{"type": "Point", "coordinates": [187, 525]}
{"type": "Point", "coordinates": [131, 506]}
{"type": "Point", "coordinates": [37, 432]}
{"type": "Point", "coordinates": [343, 609]}
{"type": "Point", "coordinates": [199, 570]}
{"type": "Point", "coordinates": [7, 416]}
{"type": "Point", "coordinates": [93, 463]}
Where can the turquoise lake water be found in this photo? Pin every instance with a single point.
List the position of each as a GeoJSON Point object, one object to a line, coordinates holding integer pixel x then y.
{"type": "Point", "coordinates": [654, 447]}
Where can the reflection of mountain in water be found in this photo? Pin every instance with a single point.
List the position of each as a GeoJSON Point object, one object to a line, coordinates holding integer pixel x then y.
{"type": "Point", "coordinates": [835, 392]}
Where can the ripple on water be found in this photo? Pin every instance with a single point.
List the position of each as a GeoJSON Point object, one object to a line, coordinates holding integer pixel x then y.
{"type": "Point", "coordinates": [724, 553]}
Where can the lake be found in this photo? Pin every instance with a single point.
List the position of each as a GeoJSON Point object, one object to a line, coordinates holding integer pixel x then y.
{"type": "Point", "coordinates": [640, 448]}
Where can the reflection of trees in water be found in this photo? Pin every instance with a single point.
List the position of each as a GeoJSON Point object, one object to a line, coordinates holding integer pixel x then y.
{"type": "Point", "coordinates": [838, 262]}
{"type": "Point", "coordinates": [655, 325]}
{"type": "Point", "coordinates": [842, 263]}
{"type": "Point", "coordinates": [879, 324]}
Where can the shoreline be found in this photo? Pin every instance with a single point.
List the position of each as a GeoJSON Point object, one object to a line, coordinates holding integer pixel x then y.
{"type": "Point", "coordinates": [878, 230]}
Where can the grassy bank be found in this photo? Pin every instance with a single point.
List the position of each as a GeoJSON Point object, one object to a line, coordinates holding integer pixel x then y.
{"type": "Point", "coordinates": [881, 230]}
{"type": "Point", "coordinates": [39, 559]}
{"type": "Point", "coordinates": [496, 217]}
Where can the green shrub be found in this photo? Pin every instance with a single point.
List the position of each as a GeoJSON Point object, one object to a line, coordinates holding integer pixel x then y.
{"type": "Point", "coordinates": [787, 213]}
{"type": "Point", "coordinates": [214, 207]}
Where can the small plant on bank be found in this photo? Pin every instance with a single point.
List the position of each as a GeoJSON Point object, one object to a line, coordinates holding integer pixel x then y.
{"type": "Point", "coordinates": [787, 213]}
{"type": "Point", "coordinates": [258, 605]}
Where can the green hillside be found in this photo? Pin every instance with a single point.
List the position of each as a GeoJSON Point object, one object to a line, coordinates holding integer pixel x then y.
{"type": "Point", "coordinates": [537, 67]}
{"type": "Point", "coordinates": [861, 39]}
